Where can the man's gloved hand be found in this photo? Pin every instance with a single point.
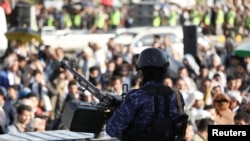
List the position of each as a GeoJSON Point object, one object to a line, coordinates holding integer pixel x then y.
{"type": "Point", "coordinates": [109, 102]}
{"type": "Point", "coordinates": [104, 103]}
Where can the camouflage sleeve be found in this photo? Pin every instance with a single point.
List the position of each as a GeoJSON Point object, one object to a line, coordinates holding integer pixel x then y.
{"type": "Point", "coordinates": [123, 116]}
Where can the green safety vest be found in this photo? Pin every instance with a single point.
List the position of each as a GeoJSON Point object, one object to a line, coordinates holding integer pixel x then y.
{"type": "Point", "coordinates": [50, 21]}
{"type": "Point", "coordinates": [100, 21]}
{"type": "Point", "coordinates": [219, 17]}
{"type": "Point", "coordinates": [67, 20]}
{"type": "Point", "coordinates": [207, 20]}
{"type": "Point", "coordinates": [230, 17]}
{"type": "Point", "coordinates": [157, 21]}
{"type": "Point", "coordinates": [248, 21]}
{"type": "Point", "coordinates": [196, 17]}
{"type": "Point", "coordinates": [172, 18]}
{"type": "Point", "coordinates": [115, 17]}
{"type": "Point", "coordinates": [77, 20]}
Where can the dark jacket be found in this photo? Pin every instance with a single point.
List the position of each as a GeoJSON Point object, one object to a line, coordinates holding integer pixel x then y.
{"type": "Point", "coordinates": [10, 112]}
{"type": "Point", "coordinates": [4, 80]}
{"type": "Point", "coordinates": [137, 110]}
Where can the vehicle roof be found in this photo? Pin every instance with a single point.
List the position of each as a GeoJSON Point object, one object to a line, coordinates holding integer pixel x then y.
{"type": "Point", "coordinates": [132, 29]}
{"type": "Point", "coordinates": [154, 30]}
{"type": "Point", "coordinates": [176, 30]}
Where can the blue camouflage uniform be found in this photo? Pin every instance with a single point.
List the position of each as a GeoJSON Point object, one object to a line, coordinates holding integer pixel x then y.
{"type": "Point", "coordinates": [137, 109]}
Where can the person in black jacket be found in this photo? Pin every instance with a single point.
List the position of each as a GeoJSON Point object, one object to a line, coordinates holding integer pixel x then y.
{"type": "Point", "coordinates": [130, 121]}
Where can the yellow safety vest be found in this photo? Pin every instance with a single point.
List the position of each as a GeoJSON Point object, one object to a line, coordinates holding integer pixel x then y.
{"type": "Point", "coordinates": [77, 20]}
{"type": "Point", "coordinates": [196, 17]}
{"type": "Point", "coordinates": [172, 18]}
{"type": "Point", "coordinates": [207, 20]}
{"type": "Point", "coordinates": [67, 20]}
{"type": "Point", "coordinates": [219, 17]}
{"type": "Point", "coordinates": [50, 21]}
{"type": "Point", "coordinates": [231, 17]}
{"type": "Point", "coordinates": [100, 21]}
{"type": "Point", "coordinates": [157, 21]}
{"type": "Point", "coordinates": [115, 18]}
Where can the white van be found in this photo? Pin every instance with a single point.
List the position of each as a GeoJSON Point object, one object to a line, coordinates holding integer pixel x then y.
{"type": "Point", "coordinates": [72, 40]}
{"type": "Point", "coordinates": [142, 37]}
{"type": "Point", "coordinates": [3, 30]}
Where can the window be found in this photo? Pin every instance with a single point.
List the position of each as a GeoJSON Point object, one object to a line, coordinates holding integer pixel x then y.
{"type": "Point", "coordinates": [125, 38]}
{"type": "Point", "coordinates": [172, 37]}
{"type": "Point", "coordinates": [145, 41]}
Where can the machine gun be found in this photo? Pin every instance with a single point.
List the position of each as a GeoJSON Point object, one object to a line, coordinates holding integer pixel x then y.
{"type": "Point", "coordinates": [82, 116]}
{"type": "Point", "coordinates": [84, 83]}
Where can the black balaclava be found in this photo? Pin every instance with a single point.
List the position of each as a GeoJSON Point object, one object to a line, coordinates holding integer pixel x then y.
{"type": "Point", "coordinates": [153, 74]}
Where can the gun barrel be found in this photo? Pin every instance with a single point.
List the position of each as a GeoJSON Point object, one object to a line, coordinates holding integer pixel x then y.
{"type": "Point", "coordinates": [82, 81]}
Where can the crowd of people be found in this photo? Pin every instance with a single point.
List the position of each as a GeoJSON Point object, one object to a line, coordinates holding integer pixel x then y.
{"type": "Point", "coordinates": [216, 87]}
{"type": "Point", "coordinates": [35, 89]}
{"type": "Point", "coordinates": [85, 15]}
{"type": "Point", "coordinates": [229, 19]}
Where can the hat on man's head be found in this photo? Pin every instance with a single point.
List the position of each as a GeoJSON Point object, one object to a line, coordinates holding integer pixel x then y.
{"type": "Point", "coordinates": [24, 92]}
{"type": "Point", "coordinates": [235, 95]}
{"type": "Point", "coordinates": [198, 95]}
{"type": "Point", "coordinates": [202, 114]}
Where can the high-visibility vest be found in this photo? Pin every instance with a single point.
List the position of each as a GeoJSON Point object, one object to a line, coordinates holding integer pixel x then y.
{"type": "Point", "coordinates": [248, 21]}
{"type": "Point", "coordinates": [50, 21]}
{"type": "Point", "coordinates": [67, 20]}
{"type": "Point", "coordinates": [77, 20]}
{"type": "Point", "coordinates": [100, 21]}
{"type": "Point", "coordinates": [219, 17]}
{"type": "Point", "coordinates": [196, 17]}
{"type": "Point", "coordinates": [172, 18]}
{"type": "Point", "coordinates": [157, 21]}
{"type": "Point", "coordinates": [207, 19]}
{"type": "Point", "coordinates": [230, 17]}
{"type": "Point", "coordinates": [115, 17]}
